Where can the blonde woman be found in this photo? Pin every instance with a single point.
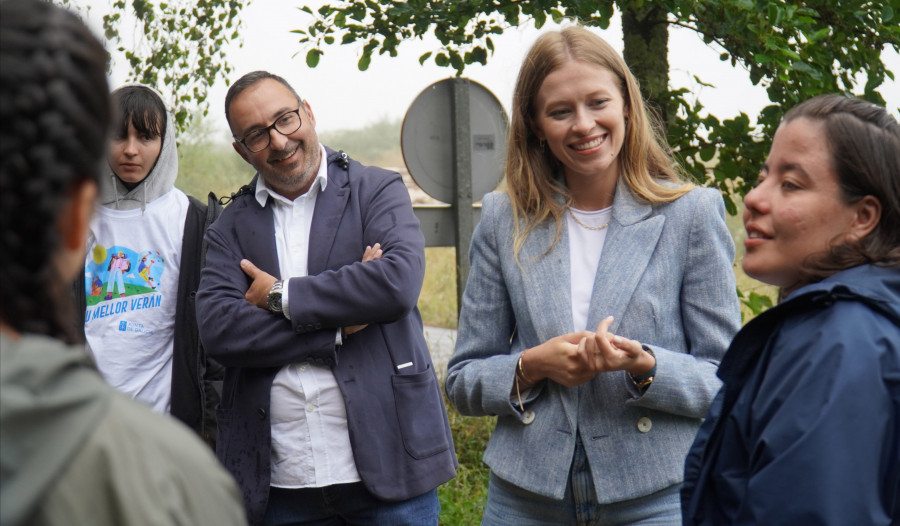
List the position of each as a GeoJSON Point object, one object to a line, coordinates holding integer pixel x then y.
{"type": "Point", "coordinates": [600, 301]}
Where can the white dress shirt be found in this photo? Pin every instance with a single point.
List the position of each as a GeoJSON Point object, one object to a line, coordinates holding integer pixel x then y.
{"type": "Point", "coordinates": [310, 438]}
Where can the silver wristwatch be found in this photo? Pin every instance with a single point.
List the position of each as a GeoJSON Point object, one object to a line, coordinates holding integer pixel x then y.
{"type": "Point", "coordinates": [273, 301]}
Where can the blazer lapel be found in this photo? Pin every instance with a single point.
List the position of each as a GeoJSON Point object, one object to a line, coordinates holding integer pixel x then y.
{"type": "Point", "coordinates": [546, 276]}
{"type": "Point", "coordinates": [256, 235]}
{"type": "Point", "coordinates": [329, 210]}
{"type": "Point", "coordinates": [630, 242]}
{"type": "Point", "coordinates": [548, 294]}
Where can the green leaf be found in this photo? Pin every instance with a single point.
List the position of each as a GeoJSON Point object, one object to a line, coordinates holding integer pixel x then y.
{"type": "Point", "coordinates": [819, 35]}
{"type": "Point", "coordinates": [424, 57]}
{"type": "Point", "coordinates": [479, 55]}
{"type": "Point", "coordinates": [456, 61]}
{"type": "Point", "coordinates": [312, 57]}
{"type": "Point", "coordinates": [364, 61]}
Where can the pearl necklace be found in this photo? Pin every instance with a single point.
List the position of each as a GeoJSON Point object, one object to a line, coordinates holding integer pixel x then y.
{"type": "Point", "coordinates": [582, 224]}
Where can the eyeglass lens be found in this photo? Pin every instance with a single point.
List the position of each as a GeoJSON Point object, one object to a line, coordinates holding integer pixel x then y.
{"type": "Point", "coordinates": [287, 124]}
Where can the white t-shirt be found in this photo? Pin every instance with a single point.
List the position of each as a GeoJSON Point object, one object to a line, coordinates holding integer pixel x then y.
{"type": "Point", "coordinates": [585, 249]}
{"type": "Point", "coordinates": [131, 284]}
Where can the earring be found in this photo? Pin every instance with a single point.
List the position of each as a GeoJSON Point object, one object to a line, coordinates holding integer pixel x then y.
{"type": "Point", "coordinates": [542, 143]}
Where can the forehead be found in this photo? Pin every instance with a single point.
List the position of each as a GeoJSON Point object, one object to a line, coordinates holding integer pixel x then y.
{"type": "Point", "coordinates": [801, 139]}
{"type": "Point", "coordinates": [575, 79]}
{"type": "Point", "coordinates": [260, 103]}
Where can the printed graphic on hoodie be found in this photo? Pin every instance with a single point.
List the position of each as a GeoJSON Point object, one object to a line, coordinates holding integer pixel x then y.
{"type": "Point", "coordinates": [119, 280]}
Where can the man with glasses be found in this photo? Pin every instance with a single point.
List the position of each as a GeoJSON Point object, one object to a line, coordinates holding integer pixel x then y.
{"type": "Point", "coordinates": [331, 410]}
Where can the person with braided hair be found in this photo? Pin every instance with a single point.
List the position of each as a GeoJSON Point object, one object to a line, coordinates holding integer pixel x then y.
{"type": "Point", "coordinates": [72, 449]}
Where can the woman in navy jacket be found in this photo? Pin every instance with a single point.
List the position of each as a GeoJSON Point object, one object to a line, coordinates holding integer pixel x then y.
{"type": "Point", "coordinates": [806, 429]}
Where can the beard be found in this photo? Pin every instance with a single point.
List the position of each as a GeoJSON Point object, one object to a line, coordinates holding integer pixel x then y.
{"type": "Point", "coordinates": [290, 178]}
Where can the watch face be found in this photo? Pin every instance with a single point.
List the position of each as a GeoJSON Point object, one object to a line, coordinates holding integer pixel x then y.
{"type": "Point", "coordinates": [273, 301]}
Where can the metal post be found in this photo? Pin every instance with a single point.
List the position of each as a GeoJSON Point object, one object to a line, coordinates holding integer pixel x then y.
{"type": "Point", "coordinates": [462, 175]}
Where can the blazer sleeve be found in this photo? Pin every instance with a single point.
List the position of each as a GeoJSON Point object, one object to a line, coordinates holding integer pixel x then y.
{"type": "Point", "coordinates": [379, 291]}
{"type": "Point", "coordinates": [238, 334]}
{"type": "Point", "coordinates": [481, 372]}
{"type": "Point", "coordinates": [686, 382]}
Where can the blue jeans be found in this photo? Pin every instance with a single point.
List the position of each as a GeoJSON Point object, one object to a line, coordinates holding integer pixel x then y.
{"type": "Point", "coordinates": [508, 504]}
{"type": "Point", "coordinates": [345, 504]}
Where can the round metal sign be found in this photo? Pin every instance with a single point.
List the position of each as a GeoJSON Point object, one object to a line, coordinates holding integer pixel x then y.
{"type": "Point", "coordinates": [427, 140]}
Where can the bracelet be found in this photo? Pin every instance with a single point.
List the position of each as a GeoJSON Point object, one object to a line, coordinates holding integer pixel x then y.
{"type": "Point", "coordinates": [519, 395]}
{"type": "Point", "coordinates": [520, 369]}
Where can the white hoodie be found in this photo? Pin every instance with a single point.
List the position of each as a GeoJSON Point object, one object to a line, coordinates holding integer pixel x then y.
{"type": "Point", "coordinates": [130, 315]}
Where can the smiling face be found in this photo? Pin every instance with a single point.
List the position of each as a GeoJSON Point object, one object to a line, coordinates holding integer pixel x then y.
{"type": "Point", "coordinates": [797, 209]}
{"type": "Point", "coordinates": [133, 155]}
{"type": "Point", "coordinates": [290, 162]}
{"type": "Point", "coordinates": [580, 112]}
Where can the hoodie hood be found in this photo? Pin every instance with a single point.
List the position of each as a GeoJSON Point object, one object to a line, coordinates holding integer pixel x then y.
{"type": "Point", "coordinates": [113, 192]}
{"type": "Point", "coordinates": [51, 399]}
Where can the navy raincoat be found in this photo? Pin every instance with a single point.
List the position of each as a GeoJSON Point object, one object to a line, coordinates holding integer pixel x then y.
{"type": "Point", "coordinates": [806, 428]}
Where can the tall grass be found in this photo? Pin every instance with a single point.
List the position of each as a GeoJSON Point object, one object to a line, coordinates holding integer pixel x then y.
{"type": "Point", "coordinates": [462, 499]}
{"type": "Point", "coordinates": [437, 301]}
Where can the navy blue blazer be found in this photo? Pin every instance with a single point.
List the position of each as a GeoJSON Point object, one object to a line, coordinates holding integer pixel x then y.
{"type": "Point", "coordinates": [398, 424]}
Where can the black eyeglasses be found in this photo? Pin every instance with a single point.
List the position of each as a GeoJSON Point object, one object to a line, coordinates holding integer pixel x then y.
{"type": "Point", "coordinates": [258, 140]}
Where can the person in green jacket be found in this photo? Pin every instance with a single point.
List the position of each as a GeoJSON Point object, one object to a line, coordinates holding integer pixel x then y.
{"type": "Point", "coordinates": [72, 450]}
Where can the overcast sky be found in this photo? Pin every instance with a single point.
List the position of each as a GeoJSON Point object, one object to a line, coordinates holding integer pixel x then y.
{"type": "Point", "coordinates": [342, 97]}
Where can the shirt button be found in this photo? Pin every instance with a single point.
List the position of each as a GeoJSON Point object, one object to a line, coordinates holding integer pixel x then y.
{"type": "Point", "coordinates": [311, 408]}
{"type": "Point", "coordinates": [302, 367]}
{"type": "Point", "coordinates": [261, 412]}
{"type": "Point", "coordinates": [528, 417]}
{"type": "Point", "coordinates": [644, 425]}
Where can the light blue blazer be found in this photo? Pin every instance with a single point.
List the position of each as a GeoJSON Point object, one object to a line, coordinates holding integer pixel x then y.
{"type": "Point", "coordinates": [666, 276]}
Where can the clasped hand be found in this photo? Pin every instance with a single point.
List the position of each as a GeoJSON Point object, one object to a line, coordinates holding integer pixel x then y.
{"type": "Point", "coordinates": [575, 358]}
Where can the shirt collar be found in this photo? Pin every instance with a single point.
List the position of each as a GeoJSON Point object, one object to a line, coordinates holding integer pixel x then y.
{"type": "Point", "coordinates": [318, 185]}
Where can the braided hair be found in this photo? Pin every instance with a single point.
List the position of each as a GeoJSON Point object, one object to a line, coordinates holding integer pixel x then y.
{"type": "Point", "coordinates": [54, 115]}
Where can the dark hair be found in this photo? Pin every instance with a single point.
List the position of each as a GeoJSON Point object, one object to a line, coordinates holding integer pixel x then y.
{"type": "Point", "coordinates": [54, 117]}
{"type": "Point", "coordinates": [141, 107]}
{"type": "Point", "coordinates": [864, 141]}
{"type": "Point", "coordinates": [248, 80]}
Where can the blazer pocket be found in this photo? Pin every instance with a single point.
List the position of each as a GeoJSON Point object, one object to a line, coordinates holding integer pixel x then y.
{"type": "Point", "coordinates": [420, 413]}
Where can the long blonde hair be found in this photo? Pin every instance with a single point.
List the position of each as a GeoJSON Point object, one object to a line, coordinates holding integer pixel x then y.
{"type": "Point", "coordinates": [645, 162]}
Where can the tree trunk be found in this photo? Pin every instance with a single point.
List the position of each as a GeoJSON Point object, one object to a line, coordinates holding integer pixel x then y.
{"type": "Point", "coordinates": [646, 37]}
